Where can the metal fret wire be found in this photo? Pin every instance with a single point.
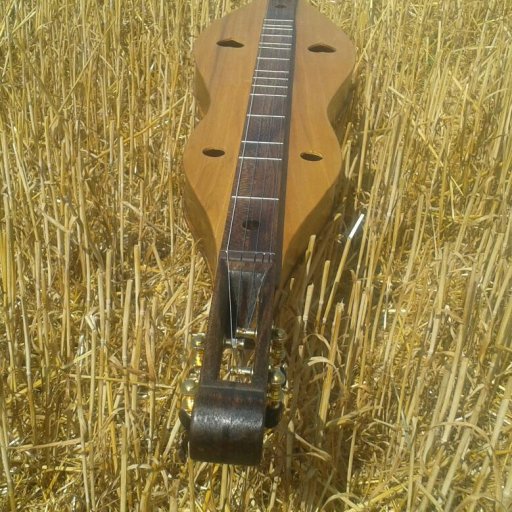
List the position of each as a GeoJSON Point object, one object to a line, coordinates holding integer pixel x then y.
{"type": "Point", "coordinates": [241, 163]}
{"type": "Point", "coordinates": [275, 190]}
{"type": "Point", "coordinates": [275, 178]}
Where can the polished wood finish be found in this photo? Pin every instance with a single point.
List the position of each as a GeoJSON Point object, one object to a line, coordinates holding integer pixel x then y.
{"type": "Point", "coordinates": [229, 417]}
{"type": "Point", "coordinates": [260, 169]}
{"type": "Point", "coordinates": [223, 83]}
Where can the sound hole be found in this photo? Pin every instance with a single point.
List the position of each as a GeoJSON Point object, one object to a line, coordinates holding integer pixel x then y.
{"type": "Point", "coordinates": [251, 224]}
{"type": "Point", "coordinates": [311, 157]}
{"type": "Point", "coordinates": [229, 43]}
{"type": "Point", "coordinates": [213, 152]}
{"type": "Point", "coordinates": [321, 48]}
{"type": "Point", "coordinates": [280, 6]}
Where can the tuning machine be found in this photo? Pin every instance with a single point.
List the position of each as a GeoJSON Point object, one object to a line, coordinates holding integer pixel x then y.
{"type": "Point", "coordinates": [276, 375]}
{"type": "Point", "coordinates": [277, 378]}
{"type": "Point", "coordinates": [197, 347]}
{"type": "Point", "coordinates": [189, 386]}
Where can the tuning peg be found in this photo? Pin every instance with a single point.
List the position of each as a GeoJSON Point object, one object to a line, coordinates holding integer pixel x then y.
{"type": "Point", "coordinates": [189, 386]}
{"type": "Point", "coordinates": [278, 350]}
{"type": "Point", "coordinates": [188, 393]}
{"type": "Point", "coordinates": [277, 381]}
{"type": "Point", "coordinates": [244, 371]}
{"type": "Point", "coordinates": [239, 343]}
{"type": "Point", "coordinates": [275, 397]}
{"type": "Point", "coordinates": [198, 340]}
{"type": "Point", "coordinates": [245, 333]}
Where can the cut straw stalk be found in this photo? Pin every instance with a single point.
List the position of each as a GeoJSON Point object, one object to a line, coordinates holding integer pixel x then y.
{"type": "Point", "coordinates": [97, 106]}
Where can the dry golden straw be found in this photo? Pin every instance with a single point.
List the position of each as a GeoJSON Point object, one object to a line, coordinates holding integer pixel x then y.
{"type": "Point", "coordinates": [400, 354]}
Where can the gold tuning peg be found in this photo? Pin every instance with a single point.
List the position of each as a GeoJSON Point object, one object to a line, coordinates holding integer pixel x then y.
{"type": "Point", "coordinates": [188, 393]}
{"type": "Point", "coordinates": [198, 340]}
{"type": "Point", "coordinates": [245, 333]}
{"type": "Point", "coordinates": [275, 395]}
{"type": "Point", "coordinates": [188, 389]}
{"type": "Point", "coordinates": [186, 403]}
{"type": "Point", "coordinates": [277, 350]}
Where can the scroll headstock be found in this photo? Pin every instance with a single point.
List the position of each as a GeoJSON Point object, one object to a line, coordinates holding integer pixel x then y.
{"type": "Point", "coordinates": [235, 389]}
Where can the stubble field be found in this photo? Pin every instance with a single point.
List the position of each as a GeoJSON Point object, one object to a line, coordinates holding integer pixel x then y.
{"type": "Point", "coordinates": [400, 353]}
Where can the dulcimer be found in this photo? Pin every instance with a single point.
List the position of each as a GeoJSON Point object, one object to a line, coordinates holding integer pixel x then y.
{"type": "Point", "coordinates": [261, 170]}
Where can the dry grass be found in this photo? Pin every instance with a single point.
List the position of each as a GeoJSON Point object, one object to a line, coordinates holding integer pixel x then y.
{"type": "Point", "coordinates": [401, 359]}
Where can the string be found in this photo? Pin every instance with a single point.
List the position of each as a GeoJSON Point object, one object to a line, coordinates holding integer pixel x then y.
{"type": "Point", "coordinates": [286, 134]}
{"type": "Point", "coordinates": [264, 151]}
{"type": "Point", "coordinates": [277, 174]}
{"type": "Point", "coordinates": [240, 166]}
{"type": "Point", "coordinates": [247, 220]}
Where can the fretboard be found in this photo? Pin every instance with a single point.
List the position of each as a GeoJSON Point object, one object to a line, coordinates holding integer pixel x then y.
{"type": "Point", "coordinates": [253, 229]}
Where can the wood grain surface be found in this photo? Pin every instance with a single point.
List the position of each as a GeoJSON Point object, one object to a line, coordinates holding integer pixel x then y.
{"type": "Point", "coordinates": [223, 82]}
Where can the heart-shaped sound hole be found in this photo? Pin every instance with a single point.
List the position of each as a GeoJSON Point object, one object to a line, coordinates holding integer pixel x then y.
{"type": "Point", "coordinates": [213, 152]}
{"type": "Point", "coordinates": [311, 157]}
{"type": "Point", "coordinates": [230, 43]}
{"type": "Point", "coordinates": [321, 48]}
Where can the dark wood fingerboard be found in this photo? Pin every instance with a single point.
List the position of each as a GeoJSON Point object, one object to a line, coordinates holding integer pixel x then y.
{"type": "Point", "coordinates": [254, 223]}
{"type": "Point", "coordinates": [254, 226]}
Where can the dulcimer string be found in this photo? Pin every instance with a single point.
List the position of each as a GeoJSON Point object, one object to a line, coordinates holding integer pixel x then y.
{"type": "Point", "coordinates": [269, 251]}
{"type": "Point", "coordinates": [233, 211]}
{"type": "Point", "coordinates": [239, 177]}
{"type": "Point", "coordinates": [251, 191]}
{"type": "Point", "coordinates": [259, 226]}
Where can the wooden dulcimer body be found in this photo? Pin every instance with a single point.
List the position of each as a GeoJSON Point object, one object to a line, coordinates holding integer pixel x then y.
{"type": "Point", "coordinates": [261, 170]}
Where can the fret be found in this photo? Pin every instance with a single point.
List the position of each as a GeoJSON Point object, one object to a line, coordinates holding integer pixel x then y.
{"type": "Point", "coordinates": [275, 19]}
{"type": "Point", "coordinates": [277, 35]}
{"type": "Point", "coordinates": [275, 48]}
{"type": "Point", "coordinates": [261, 142]}
{"type": "Point", "coordinates": [249, 256]}
{"type": "Point", "coordinates": [269, 78]}
{"type": "Point", "coordinates": [259, 158]}
{"type": "Point", "coordinates": [273, 58]}
{"type": "Point", "coordinates": [269, 95]}
{"type": "Point", "coordinates": [273, 86]}
{"type": "Point", "coordinates": [266, 116]}
{"type": "Point", "coordinates": [266, 86]}
{"type": "Point", "coordinates": [286, 71]}
{"type": "Point", "coordinates": [287, 45]}
{"type": "Point", "coordinates": [256, 198]}
{"type": "Point", "coordinates": [282, 86]}
{"type": "Point", "coordinates": [275, 27]}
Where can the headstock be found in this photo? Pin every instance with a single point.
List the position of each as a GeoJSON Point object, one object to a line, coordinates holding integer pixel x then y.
{"type": "Point", "coordinates": [235, 388]}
